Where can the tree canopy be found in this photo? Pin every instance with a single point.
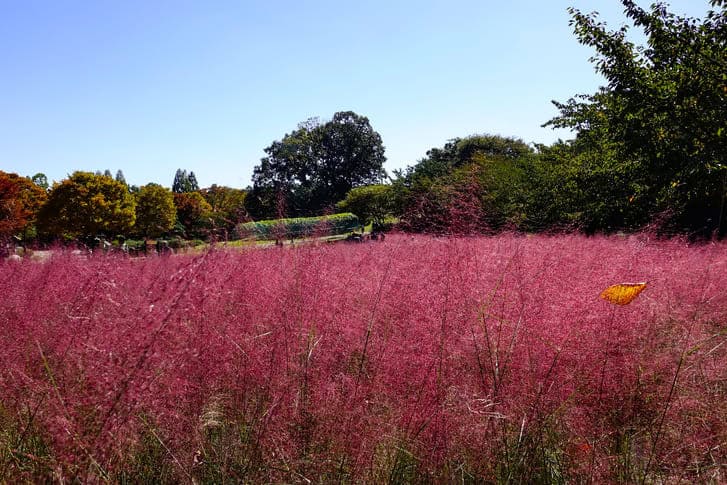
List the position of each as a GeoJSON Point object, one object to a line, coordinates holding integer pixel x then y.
{"type": "Point", "coordinates": [155, 210]}
{"type": "Point", "coordinates": [40, 180]}
{"type": "Point", "coordinates": [662, 116]}
{"type": "Point", "coordinates": [469, 185]}
{"type": "Point", "coordinates": [86, 205]}
{"type": "Point", "coordinates": [193, 213]}
{"type": "Point", "coordinates": [370, 203]}
{"type": "Point", "coordinates": [227, 208]}
{"type": "Point", "coordinates": [184, 182]}
{"type": "Point", "coordinates": [314, 167]}
{"type": "Point", "coordinates": [20, 200]}
{"type": "Point", "coordinates": [120, 177]}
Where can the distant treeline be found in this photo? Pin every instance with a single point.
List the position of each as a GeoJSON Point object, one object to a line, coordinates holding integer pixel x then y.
{"type": "Point", "coordinates": [650, 150]}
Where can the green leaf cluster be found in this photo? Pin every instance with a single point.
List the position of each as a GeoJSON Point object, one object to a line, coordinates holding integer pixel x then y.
{"type": "Point", "coordinates": [659, 124]}
{"type": "Point", "coordinates": [372, 204]}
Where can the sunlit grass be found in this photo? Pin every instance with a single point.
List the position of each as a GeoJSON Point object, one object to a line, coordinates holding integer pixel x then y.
{"type": "Point", "coordinates": [414, 359]}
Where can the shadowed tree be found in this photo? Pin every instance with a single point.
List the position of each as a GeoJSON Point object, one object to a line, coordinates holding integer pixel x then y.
{"type": "Point", "coordinates": [192, 181]}
{"type": "Point", "coordinates": [193, 213]}
{"type": "Point", "coordinates": [184, 182]}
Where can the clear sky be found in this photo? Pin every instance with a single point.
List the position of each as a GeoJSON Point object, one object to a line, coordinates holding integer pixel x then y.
{"type": "Point", "coordinates": [149, 86]}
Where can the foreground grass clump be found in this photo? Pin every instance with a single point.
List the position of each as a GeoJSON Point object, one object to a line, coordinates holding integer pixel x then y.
{"type": "Point", "coordinates": [413, 360]}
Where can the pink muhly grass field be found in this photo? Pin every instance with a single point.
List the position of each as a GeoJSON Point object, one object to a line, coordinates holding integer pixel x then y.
{"type": "Point", "coordinates": [413, 360]}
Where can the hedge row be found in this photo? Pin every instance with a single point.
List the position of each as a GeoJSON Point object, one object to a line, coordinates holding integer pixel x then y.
{"type": "Point", "coordinates": [299, 227]}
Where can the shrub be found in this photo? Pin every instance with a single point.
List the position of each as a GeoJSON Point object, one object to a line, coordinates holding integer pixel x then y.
{"type": "Point", "coordinates": [299, 227]}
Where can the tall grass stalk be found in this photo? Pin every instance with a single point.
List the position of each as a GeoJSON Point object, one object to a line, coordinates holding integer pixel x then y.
{"type": "Point", "coordinates": [417, 359]}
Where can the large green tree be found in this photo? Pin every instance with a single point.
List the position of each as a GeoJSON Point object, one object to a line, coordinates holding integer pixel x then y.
{"type": "Point", "coordinates": [86, 205]}
{"type": "Point", "coordinates": [313, 167]}
{"type": "Point", "coordinates": [155, 210]}
{"type": "Point", "coordinates": [661, 118]}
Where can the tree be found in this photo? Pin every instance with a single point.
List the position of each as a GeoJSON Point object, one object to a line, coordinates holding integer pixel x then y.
{"type": "Point", "coordinates": [193, 184]}
{"type": "Point", "coordinates": [477, 178]}
{"type": "Point", "coordinates": [227, 207]}
{"type": "Point", "coordinates": [570, 185]}
{"type": "Point", "coordinates": [314, 167]}
{"type": "Point", "coordinates": [372, 204]}
{"type": "Point", "coordinates": [180, 181]}
{"type": "Point", "coordinates": [155, 210]}
{"type": "Point", "coordinates": [193, 213]}
{"type": "Point", "coordinates": [461, 151]}
{"type": "Point", "coordinates": [120, 177]}
{"type": "Point", "coordinates": [662, 113]}
{"type": "Point", "coordinates": [184, 182]}
{"type": "Point", "coordinates": [86, 205]}
{"type": "Point", "coordinates": [20, 200]}
{"type": "Point", "coordinates": [40, 180]}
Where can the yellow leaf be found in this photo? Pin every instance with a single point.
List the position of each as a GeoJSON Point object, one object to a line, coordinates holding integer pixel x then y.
{"type": "Point", "coordinates": [623, 293]}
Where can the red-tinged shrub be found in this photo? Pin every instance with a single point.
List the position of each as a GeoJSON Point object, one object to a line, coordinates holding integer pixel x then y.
{"type": "Point", "coordinates": [416, 359]}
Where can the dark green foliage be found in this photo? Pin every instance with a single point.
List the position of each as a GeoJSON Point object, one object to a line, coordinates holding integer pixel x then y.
{"type": "Point", "coordinates": [193, 184]}
{"type": "Point", "coordinates": [313, 167]}
{"type": "Point", "coordinates": [458, 152]}
{"type": "Point", "coordinates": [472, 184]}
{"type": "Point", "coordinates": [571, 187]}
{"type": "Point", "coordinates": [184, 182]}
{"type": "Point", "coordinates": [40, 180]}
{"type": "Point", "coordinates": [299, 227]}
{"type": "Point", "coordinates": [650, 146]}
{"type": "Point", "coordinates": [120, 177]}
{"type": "Point", "coordinates": [660, 123]}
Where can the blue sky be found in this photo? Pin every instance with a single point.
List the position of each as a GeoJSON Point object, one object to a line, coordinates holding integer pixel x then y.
{"type": "Point", "coordinates": [149, 86]}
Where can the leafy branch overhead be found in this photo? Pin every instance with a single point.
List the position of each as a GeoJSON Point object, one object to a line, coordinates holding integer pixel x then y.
{"type": "Point", "coordinates": [663, 110]}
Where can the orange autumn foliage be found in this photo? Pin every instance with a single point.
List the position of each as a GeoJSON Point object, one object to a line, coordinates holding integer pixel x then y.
{"type": "Point", "coordinates": [622, 293]}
